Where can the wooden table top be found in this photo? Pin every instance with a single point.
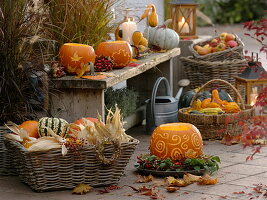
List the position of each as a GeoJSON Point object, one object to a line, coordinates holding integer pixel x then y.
{"type": "Point", "coordinates": [120, 75]}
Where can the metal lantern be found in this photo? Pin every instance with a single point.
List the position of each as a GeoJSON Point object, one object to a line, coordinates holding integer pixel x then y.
{"type": "Point", "coordinates": [183, 14]}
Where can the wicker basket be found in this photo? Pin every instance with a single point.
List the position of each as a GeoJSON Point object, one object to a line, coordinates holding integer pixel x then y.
{"type": "Point", "coordinates": [235, 53]}
{"type": "Point", "coordinates": [49, 170]}
{"type": "Point", "coordinates": [199, 72]}
{"type": "Point", "coordinates": [6, 160]}
{"type": "Point", "coordinates": [214, 126]}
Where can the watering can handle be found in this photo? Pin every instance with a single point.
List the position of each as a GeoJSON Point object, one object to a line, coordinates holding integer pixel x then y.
{"type": "Point", "coordinates": [154, 93]}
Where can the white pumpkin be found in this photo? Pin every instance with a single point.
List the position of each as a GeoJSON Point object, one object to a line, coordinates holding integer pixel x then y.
{"type": "Point", "coordinates": [165, 38]}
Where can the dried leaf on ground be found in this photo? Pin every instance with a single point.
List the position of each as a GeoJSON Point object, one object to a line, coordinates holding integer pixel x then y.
{"type": "Point", "coordinates": [207, 180]}
{"type": "Point", "coordinates": [107, 189]}
{"type": "Point", "coordinates": [82, 189]}
{"type": "Point", "coordinates": [230, 140]}
{"type": "Point", "coordinates": [113, 187]}
{"type": "Point", "coordinates": [158, 183]}
{"type": "Point", "coordinates": [171, 189]}
{"type": "Point", "coordinates": [190, 178]}
{"type": "Point", "coordinates": [241, 192]}
{"type": "Point", "coordinates": [144, 179]}
{"type": "Point", "coordinates": [152, 192]}
{"type": "Point", "coordinates": [171, 181]}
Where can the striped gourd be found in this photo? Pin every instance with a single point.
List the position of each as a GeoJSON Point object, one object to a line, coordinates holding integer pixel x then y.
{"type": "Point", "coordinates": [58, 125]}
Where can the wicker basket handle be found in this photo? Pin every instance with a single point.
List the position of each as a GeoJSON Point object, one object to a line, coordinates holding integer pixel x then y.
{"type": "Point", "coordinates": [225, 83]}
{"type": "Point", "coordinates": [100, 153]}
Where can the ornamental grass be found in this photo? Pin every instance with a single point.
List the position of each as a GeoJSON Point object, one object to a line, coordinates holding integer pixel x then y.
{"type": "Point", "coordinates": [20, 58]}
{"type": "Point", "coordinates": [81, 21]}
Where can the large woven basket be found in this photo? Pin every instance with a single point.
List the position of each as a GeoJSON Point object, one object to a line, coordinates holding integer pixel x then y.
{"type": "Point", "coordinates": [216, 126]}
{"type": "Point", "coordinates": [199, 72]}
{"type": "Point", "coordinates": [6, 160]}
{"type": "Point", "coordinates": [49, 170]}
{"type": "Point", "coordinates": [235, 53]}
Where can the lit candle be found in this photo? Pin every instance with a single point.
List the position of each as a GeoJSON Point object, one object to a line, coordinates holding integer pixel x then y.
{"type": "Point", "coordinates": [183, 26]}
{"type": "Point", "coordinates": [253, 96]}
{"type": "Point", "coordinates": [128, 28]}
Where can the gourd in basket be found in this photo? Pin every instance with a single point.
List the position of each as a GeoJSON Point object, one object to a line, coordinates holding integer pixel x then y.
{"type": "Point", "coordinates": [211, 121]}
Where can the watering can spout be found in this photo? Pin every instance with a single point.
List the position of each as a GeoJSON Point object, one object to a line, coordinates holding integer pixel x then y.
{"type": "Point", "coordinates": [182, 83]}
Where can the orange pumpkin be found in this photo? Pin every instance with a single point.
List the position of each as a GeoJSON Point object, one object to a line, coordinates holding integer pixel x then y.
{"type": "Point", "coordinates": [31, 127]}
{"type": "Point", "coordinates": [74, 57]}
{"type": "Point", "coordinates": [119, 51]}
{"type": "Point", "coordinates": [80, 121]}
{"type": "Point", "coordinates": [176, 141]}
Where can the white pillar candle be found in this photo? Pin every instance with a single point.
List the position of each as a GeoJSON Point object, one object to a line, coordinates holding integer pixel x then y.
{"type": "Point", "coordinates": [183, 26]}
{"type": "Point", "coordinates": [128, 28]}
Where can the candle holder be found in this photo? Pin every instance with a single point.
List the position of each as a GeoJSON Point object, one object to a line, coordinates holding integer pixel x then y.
{"type": "Point", "coordinates": [251, 79]}
{"type": "Point", "coordinates": [183, 14]}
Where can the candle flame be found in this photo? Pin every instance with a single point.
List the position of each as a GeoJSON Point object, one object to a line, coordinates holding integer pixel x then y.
{"type": "Point", "coordinates": [253, 99]}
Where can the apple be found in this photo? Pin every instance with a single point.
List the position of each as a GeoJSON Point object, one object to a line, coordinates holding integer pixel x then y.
{"type": "Point", "coordinates": [221, 47]}
{"type": "Point", "coordinates": [196, 47]}
{"type": "Point", "coordinates": [232, 43]}
{"type": "Point", "coordinates": [223, 35]}
{"type": "Point", "coordinates": [229, 37]}
{"type": "Point", "coordinates": [203, 51]}
{"type": "Point", "coordinates": [208, 47]}
{"type": "Point", "coordinates": [215, 40]}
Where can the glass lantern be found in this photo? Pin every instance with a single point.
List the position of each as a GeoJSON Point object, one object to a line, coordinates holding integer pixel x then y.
{"type": "Point", "coordinates": [183, 15]}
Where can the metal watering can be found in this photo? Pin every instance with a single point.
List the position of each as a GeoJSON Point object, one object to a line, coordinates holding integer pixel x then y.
{"type": "Point", "coordinates": [163, 109]}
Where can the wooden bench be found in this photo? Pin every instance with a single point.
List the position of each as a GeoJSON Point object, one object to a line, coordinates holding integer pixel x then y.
{"type": "Point", "coordinates": [76, 98]}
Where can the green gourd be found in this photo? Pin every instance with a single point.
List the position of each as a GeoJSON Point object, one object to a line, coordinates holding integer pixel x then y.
{"type": "Point", "coordinates": [58, 125]}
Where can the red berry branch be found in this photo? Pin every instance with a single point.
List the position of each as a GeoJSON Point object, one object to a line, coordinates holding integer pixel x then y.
{"type": "Point", "coordinates": [256, 127]}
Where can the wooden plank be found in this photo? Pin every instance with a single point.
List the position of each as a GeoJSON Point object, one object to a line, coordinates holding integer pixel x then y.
{"type": "Point", "coordinates": [120, 74]}
{"type": "Point", "coordinates": [73, 104]}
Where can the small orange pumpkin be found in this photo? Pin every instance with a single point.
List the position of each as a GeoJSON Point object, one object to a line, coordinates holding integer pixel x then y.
{"type": "Point", "coordinates": [119, 51]}
{"type": "Point", "coordinates": [175, 141]}
{"type": "Point", "coordinates": [80, 121]}
{"type": "Point", "coordinates": [74, 57]}
{"type": "Point", "coordinates": [31, 127]}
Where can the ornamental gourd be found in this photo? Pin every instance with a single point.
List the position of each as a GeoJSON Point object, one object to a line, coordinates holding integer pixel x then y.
{"type": "Point", "coordinates": [58, 125]}
{"type": "Point", "coordinates": [31, 127]}
{"type": "Point", "coordinates": [73, 57]}
{"type": "Point", "coordinates": [164, 38]}
{"type": "Point", "coordinates": [119, 51]}
{"type": "Point", "coordinates": [175, 140]}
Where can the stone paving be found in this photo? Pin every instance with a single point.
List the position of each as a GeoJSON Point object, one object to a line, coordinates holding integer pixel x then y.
{"type": "Point", "coordinates": [235, 175]}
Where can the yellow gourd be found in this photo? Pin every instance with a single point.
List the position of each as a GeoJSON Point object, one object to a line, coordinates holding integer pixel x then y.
{"type": "Point", "coordinates": [215, 97]}
{"type": "Point", "coordinates": [153, 17]}
{"type": "Point", "coordinates": [196, 105]}
{"type": "Point", "coordinates": [137, 36]}
{"type": "Point", "coordinates": [205, 102]}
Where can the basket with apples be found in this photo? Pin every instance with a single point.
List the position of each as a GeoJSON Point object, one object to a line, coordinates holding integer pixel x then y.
{"type": "Point", "coordinates": [226, 46]}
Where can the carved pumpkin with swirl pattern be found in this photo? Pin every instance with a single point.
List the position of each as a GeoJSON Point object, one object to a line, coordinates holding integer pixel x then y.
{"type": "Point", "coordinates": [174, 140]}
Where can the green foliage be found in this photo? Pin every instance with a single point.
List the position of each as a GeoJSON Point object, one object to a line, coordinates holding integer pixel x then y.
{"type": "Point", "coordinates": [83, 21]}
{"type": "Point", "coordinates": [125, 98]}
{"type": "Point", "coordinates": [20, 30]}
{"type": "Point", "coordinates": [232, 11]}
{"type": "Point", "coordinates": [209, 163]}
{"type": "Point", "coordinates": [151, 162]}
